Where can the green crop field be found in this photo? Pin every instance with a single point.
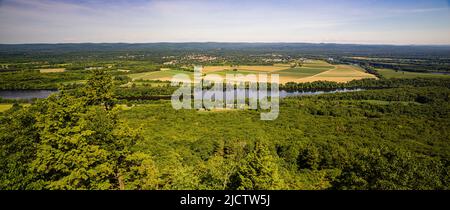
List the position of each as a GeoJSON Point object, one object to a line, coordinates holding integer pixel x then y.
{"type": "Point", "coordinates": [158, 75]}
{"type": "Point", "coordinates": [390, 73]}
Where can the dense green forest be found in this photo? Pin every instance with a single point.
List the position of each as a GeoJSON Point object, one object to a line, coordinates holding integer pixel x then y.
{"type": "Point", "coordinates": [93, 137]}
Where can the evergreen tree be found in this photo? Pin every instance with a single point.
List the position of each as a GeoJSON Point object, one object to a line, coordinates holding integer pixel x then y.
{"type": "Point", "coordinates": [68, 141]}
{"type": "Point", "coordinates": [99, 89]}
{"type": "Point", "coordinates": [258, 171]}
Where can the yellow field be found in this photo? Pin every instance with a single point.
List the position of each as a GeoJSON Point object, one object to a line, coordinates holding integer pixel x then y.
{"type": "Point", "coordinates": [52, 70]}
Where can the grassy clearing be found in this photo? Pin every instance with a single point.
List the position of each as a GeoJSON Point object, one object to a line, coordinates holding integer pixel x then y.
{"type": "Point", "coordinates": [54, 70]}
{"type": "Point", "coordinates": [5, 107]}
{"type": "Point", "coordinates": [390, 73]}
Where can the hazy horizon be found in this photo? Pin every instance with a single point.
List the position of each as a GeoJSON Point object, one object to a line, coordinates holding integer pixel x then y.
{"type": "Point", "coordinates": [219, 42]}
{"type": "Point", "coordinates": [247, 21]}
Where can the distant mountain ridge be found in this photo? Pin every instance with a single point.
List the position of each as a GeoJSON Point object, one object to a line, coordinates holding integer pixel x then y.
{"type": "Point", "coordinates": [323, 48]}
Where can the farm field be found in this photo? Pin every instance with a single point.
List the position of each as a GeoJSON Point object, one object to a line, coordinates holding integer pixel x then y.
{"type": "Point", "coordinates": [340, 73]}
{"type": "Point", "coordinates": [390, 73]}
{"type": "Point", "coordinates": [310, 71]}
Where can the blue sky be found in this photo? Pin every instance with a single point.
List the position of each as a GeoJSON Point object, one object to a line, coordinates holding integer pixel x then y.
{"type": "Point", "coordinates": [334, 21]}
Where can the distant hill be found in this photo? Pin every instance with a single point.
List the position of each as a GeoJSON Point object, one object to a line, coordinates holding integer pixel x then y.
{"type": "Point", "coordinates": [302, 48]}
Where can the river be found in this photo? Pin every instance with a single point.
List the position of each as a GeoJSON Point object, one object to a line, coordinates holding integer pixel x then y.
{"type": "Point", "coordinates": [30, 94]}
{"type": "Point", "coordinates": [25, 94]}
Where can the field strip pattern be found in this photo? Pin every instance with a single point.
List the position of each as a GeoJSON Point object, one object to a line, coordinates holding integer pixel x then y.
{"type": "Point", "coordinates": [309, 72]}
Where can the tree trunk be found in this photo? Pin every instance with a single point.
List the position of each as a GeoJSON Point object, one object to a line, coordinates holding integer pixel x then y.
{"type": "Point", "coordinates": [120, 180]}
